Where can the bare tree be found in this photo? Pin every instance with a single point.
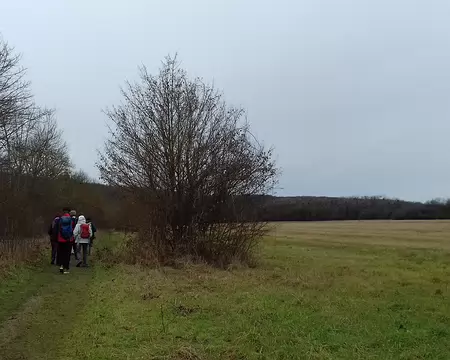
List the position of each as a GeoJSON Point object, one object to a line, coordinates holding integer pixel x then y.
{"type": "Point", "coordinates": [31, 147]}
{"type": "Point", "coordinates": [191, 165]}
{"type": "Point", "coordinates": [39, 150]}
{"type": "Point", "coordinates": [80, 176]}
{"type": "Point", "coordinates": [16, 101]}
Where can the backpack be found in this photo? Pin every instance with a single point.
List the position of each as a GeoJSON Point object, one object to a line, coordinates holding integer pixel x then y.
{"type": "Point", "coordinates": [65, 228]}
{"type": "Point", "coordinates": [84, 231]}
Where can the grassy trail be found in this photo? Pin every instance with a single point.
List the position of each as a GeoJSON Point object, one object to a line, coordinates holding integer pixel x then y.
{"type": "Point", "coordinates": [39, 307]}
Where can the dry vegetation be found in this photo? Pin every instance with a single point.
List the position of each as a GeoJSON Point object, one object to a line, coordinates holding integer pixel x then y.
{"type": "Point", "coordinates": [15, 253]}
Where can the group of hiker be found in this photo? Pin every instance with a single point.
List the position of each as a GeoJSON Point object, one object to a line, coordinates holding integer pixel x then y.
{"type": "Point", "coordinates": [69, 234]}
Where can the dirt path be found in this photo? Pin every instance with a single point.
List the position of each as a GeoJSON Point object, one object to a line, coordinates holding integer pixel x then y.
{"type": "Point", "coordinates": [37, 329]}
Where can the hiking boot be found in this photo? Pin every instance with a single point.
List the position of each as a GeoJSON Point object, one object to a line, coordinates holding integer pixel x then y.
{"type": "Point", "coordinates": [61, 270]}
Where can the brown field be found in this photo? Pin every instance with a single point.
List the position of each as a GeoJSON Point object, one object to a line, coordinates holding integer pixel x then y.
{"type": "Point", "coordinates": [424, 234]}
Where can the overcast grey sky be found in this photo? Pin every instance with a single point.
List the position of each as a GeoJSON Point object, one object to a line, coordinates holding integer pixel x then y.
{"type": "Point", "coordinates": [353, 94]}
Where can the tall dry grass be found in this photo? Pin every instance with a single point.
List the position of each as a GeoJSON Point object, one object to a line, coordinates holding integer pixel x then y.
{"type": "Point", "coordinates": [16, 252]}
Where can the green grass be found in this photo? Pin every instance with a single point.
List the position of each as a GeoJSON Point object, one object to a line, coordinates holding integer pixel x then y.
{"type": "Point", "coordinates": [338, 290]}
{"type": "Point", "coordinates": [18, 286]}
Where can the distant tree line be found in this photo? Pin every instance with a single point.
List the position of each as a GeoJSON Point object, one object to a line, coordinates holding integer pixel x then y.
{"type": "Point", "coordinates": [351, 208]}
{"type": "Point", "coordinates": [120, 211]}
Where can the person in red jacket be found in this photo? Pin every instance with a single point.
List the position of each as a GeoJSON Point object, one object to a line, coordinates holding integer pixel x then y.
{"type": "Point", "coordinates": [63, 227]}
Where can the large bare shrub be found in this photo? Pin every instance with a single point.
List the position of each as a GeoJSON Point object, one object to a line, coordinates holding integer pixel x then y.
{"type": "Point", "coordinates": [190, 167]}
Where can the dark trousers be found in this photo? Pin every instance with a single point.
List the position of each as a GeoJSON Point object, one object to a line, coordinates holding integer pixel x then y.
{"type": "Point", "coordinates": [54, 251]}
{"type": "Point", "coordinates": [75, 248]}
{"type": "Point", "coordinates": [64, 249]}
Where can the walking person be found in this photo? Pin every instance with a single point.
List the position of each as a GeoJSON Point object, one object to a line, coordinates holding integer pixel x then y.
{"type": "Point", "coordinates": [94, 230]}
{"type": "Point", "coordinates": [63, 227]}
{"type": "Point", "coordinates": [73, 215]}
{"type": "Point", "coordinates": [53, 234]}
{"type": "Point", "coordinates": [82, 234]}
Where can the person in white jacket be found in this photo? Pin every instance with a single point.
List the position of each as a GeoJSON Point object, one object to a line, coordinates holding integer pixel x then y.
{"type": "Point", "coordinates": [82, 234]}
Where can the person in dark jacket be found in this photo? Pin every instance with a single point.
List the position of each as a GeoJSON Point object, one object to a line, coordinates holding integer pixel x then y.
{"type": "Point", "coordinates": [73, 215]}
{"type": "Point", "coordinates": [53, 239]}
{"type": "Point", "coordinates": [94, 230]}
{"type": "Point", "coordinates": [63, 227]}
